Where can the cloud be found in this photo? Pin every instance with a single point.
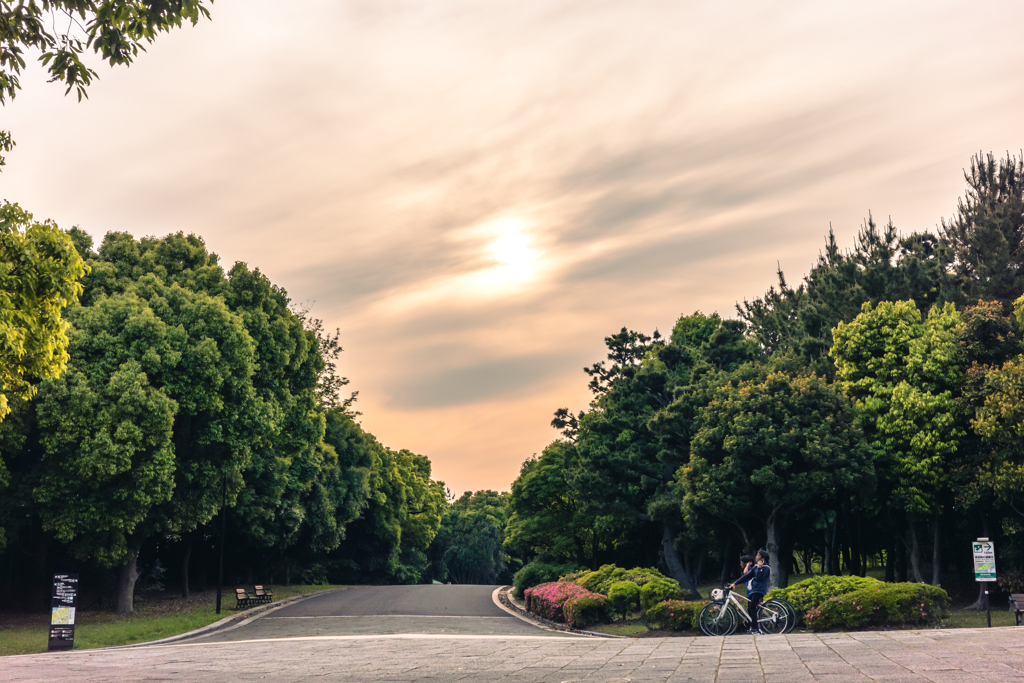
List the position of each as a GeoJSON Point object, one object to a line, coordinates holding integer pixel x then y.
{"type": "Point", "coordinates": [503, 378]}
{"type": "Point", "coordinates": [661, 156]}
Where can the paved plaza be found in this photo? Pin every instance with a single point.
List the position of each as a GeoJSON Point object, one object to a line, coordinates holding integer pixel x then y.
{"type": "Point", "coordinates": [941, 656]}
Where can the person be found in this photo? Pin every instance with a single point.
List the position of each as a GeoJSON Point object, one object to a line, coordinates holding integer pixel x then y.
{"type": "Point", "coordinates": [746, 562]}
{"type": "Point", "coordinates": [759, 577]}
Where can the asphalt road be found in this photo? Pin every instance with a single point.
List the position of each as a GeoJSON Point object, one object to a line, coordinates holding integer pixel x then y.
{"type": "Point", "coordinates": [386, 610]}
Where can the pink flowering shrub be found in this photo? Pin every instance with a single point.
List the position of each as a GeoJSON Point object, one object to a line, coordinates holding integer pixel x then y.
{"type": "Point", "coordinates": [549, 600]}
{"type": "Point", "coordinates": [675, 615]}
{"type": "Point", "coordinates": [887, 604]}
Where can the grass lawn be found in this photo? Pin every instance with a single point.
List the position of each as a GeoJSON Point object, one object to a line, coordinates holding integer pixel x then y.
{"type": "Point", "coordinates": [155, 617]}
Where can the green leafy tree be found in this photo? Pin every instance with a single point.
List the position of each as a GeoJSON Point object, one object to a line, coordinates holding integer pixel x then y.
{"type": "Point", "coordinates": [39, 273]}
{"type": "Point", "coordinates": [900, 371]}
{"type": "Point", "coordinates": [767, 447]}
{"type": "Point", "coordinates": [548, 515]}
{"type": "Point", "coordinates": [62, 31]}
{"type": "Point", "coordinates": [469, 543]}
{"type": "Point", "coordinates": [389, 541]}
{"type": "Point", "coordinates": [631, 441]}
{"type": "Point", "coordinates": [999, 420]}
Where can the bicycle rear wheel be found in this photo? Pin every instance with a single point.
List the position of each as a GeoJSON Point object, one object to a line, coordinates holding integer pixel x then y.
{"type": "Point", "coordinates": [794, 618]}
{"type": "Point", "coordinates": [772, 617]}
{"type": "Point", "coordinates": [716, 619]}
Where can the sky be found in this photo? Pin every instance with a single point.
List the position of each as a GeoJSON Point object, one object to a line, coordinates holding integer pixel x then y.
{"type": "Point", "coordinates": [477, 192]}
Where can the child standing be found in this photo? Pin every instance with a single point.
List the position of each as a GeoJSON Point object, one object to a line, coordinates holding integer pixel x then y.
{"type": "Point", "coordinates": [759, 577]}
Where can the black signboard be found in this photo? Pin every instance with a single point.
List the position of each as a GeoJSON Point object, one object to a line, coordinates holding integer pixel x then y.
{"type": "Point", "coordinates": [63, 602]}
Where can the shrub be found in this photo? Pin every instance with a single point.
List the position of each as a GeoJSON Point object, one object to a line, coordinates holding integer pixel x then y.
{"type": "Point", "coordinates": [548, 599]}
{"type": "Point", "coordinates": [586, 609]}
{"type": "Point", "coordinates": [624, 596]}
{"type": "Point", "coordinates": [537, 572]}
{"type": "Point", "coordinates": [601, 580]}
{"type": "Point", "coordinates": [811, 592]}
{"type": "Point", "coordinates": [884, 604]}
{"type": "Point", "coordinates": [675, 615]}
{"type": "Point", "coordinates": [657, 591]}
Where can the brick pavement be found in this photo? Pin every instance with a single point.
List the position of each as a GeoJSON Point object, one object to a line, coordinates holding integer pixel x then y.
{"type": "Point", "coordinates": [938, 656]}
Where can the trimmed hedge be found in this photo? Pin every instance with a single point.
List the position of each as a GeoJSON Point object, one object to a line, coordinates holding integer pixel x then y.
{"type": "Point", "coordinates": [537, 572]}
{"type": "Point", "coordinates": [675, 615]}
{"type": "Point", "coordinates": [624, 596]}
{"type": "Point", "coordinates": [657, 591]}
{"type": "Point", "coordinates": [582, 610]}
{"type": "Point", "coordinates": [887, 604]}
{"type": "Point", "coordinates": [601, 580]}
{"type": "Point", "coordinates": [548, 600]}
{"type": "Point", "coordinates": [810, 593]}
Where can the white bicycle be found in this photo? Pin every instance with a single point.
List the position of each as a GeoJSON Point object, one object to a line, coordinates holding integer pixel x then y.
{"type": "Point", "coordinates": [725, 612]}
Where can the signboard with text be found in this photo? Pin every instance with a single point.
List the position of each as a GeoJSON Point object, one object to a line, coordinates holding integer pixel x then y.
{"type": "Point", "coordinates": [984, 560]}
{"type": "Point", "coordinates": [63, 602]}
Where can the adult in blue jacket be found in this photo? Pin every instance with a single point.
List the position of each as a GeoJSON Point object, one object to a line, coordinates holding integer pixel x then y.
{"type": "Point", "coordinates": [760, 577]}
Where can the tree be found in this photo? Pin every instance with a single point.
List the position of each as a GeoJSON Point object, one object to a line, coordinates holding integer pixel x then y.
{"type": "Point", "coordinates": [116, 30]}
{"type": "Point", "coordinates": [39, 272]}
{"type": "Point", "coordinates": [767, 447]}
{"type": "Point", "coordinates": [469, 542]}
{"type": "Point", "coordinates": [1000, 421]}
{"type": "Point", "coordinates": [882, 266]}
{"type": "Point", "coordinates": [626, 463]}
{"type": "Point", "coordinates": [547, 514]}
{"type": "Point", "coordinates": [900, 371]}
{"type": "Point", "coordinates": [986, 236]}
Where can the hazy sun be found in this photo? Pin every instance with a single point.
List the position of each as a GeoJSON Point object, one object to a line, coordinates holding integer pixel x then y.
{"type": "Point", "coordinates": [512, 250]}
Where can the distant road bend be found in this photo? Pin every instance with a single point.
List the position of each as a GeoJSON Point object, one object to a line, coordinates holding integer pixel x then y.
{"type": "Point", "coordinates": [386, 610]}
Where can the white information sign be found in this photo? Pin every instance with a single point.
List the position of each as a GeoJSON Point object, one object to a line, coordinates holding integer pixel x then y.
{"type": "Point", "coordinates": [984, 560]}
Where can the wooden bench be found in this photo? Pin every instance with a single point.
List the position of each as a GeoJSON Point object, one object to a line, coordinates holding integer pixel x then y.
{"type": "Point", "coordinates": [1017, 606]}
{"type": "Point", "coordinates": [264, 594]}
{"type": "Point", "coordinates": [243, 599]}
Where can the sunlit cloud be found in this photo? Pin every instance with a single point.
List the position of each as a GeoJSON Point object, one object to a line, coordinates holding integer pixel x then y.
{"type": "Point", "coordinates": [477, 193]}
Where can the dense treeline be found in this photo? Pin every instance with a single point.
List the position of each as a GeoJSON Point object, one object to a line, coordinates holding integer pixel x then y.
{"type": "Point", "coordinates": [869, 417]}
{"type": "Point", "coordinates": [190, 390]}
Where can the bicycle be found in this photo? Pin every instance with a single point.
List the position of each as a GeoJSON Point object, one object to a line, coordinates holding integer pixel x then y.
{"type": "Point", "coordinates": [719, 617]}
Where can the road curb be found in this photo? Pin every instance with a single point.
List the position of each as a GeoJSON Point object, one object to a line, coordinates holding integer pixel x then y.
{"type": "Point", "coordinates": [244, 617]}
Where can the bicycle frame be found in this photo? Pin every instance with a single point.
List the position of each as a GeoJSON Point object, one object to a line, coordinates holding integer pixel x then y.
{"type": "Point", "coordinates": [733, 599]}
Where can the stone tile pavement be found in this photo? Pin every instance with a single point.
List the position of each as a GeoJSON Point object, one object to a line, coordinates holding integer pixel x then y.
{"type": "Point", "coordinates": [939, 656]}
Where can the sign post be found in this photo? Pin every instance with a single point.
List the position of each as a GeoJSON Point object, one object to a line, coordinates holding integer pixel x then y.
{"type": "Point", "coordinates": [985, 568]}
{"type": "Point", "coordinates": [63, 601]}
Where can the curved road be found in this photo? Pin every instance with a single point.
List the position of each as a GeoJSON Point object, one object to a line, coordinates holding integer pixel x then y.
{"type": "Point", "coordinates": [386, 610]}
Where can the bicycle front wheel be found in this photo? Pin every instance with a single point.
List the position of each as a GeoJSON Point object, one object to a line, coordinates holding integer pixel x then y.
{"type": "Point", "coordinates": [716, 619]}
{"type": "Point", "coordinates": [772, 617]}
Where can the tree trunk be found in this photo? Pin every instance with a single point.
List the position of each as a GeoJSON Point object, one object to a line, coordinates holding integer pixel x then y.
{"type": "Point", "coordinates": [808, 558]}
{"type": "Point", "coordinates": [186, 556]}
{"type": "Point", "coordinates": [128, 575]}
{"type": "Point", "coordinates": [780, 578]}
{"type": "Point", "coordinates": [936, 553]}
{"type": "Point", "coordinates": [890, 563]}
{"type": "Point", "coordinates": [287, 573]}
{"type": "Point", "coordinates": [901, 561]}
{"type": "Point", "coordinates": [853, 533]}
{"type": "Point", "coordinates": [726, 559]}
{"type": "Point", "coordinates": [915, 552]}
{"type": "Point", "coordinates": [675, 565]}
